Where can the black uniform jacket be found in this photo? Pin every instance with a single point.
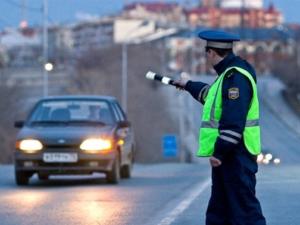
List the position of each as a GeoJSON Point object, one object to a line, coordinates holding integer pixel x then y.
{"type": "Point", "coordinates": [236, 98]}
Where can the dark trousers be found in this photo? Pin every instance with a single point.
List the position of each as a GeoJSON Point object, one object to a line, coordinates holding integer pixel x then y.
{"type": "Point", "coordinates": [233, 200]}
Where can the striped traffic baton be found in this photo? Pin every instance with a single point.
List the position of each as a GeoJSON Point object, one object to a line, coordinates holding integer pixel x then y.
{"type": "Point", "coordinates": [163, 79]}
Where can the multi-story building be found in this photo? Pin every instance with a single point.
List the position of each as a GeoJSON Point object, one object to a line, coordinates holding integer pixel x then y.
{"type": "Point", "coordinates": [60, 43]}
{"type": "Point", "coordinates": [209, 13]}
{"type": "Point", "coordinates": [11, 37]}
{"type": "Point", "coordinates": [234, 13]}
{"type": "Point", "coordinates": [249, 4]}
{"type": "Point", "coordinates": [94, 34]}
{"type": "Point", "coordinates": [208, 3]}
{"type": "Point", "coordinates": [163, 13]}
{"type": "Point", "coordinates": [22, 46]}
{"type": "Point", "coordinates": [260, 46]}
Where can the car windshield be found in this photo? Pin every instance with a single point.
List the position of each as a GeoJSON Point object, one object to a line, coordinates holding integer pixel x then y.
{"type": "Point", "coordinates": [49, 112]}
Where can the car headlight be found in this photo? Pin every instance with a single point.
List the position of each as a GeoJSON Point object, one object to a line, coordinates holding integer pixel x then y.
{"type": "Point", "coordinates": [96, 144]}
{"type": "Point", "coordinates": [30, 145]}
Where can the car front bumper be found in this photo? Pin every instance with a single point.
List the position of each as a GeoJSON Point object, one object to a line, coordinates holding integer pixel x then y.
{"type": "Point", "coordinates": [86, 164]}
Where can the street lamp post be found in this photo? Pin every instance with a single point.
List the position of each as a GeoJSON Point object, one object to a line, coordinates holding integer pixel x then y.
{"type": "Point", "coordinates": [45, 47]}
{"type": "Point", "coordinates": [124, 76]}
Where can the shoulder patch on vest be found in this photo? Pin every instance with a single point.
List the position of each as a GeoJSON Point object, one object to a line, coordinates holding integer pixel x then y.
{"type": "Point", "coordinates": [233, 93]}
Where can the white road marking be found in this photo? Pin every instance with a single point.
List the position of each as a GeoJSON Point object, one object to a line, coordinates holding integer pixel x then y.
{"type": "Point", "coordinates": [183, 205]}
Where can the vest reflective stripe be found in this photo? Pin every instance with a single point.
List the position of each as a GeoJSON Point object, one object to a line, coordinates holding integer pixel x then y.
{"type": "Point", "coordinates": [212, 112]}
{"type": "Point", "coordinates": [215, 124]}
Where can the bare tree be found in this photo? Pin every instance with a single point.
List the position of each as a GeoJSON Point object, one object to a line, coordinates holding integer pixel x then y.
{"type": "Point", "coordinates": [9, 102]}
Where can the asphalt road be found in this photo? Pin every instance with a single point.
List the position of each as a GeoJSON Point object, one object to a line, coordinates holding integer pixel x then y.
{"type": "Point", "coordinates": [160, 194]}
{"type": "Point", "coordinates": [152, 192]}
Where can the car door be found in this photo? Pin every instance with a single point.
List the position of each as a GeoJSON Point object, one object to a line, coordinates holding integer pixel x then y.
{"type": "Point", "coordinates": [126, 133]}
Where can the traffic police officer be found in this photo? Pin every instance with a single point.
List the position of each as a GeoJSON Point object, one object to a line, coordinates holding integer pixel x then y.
{"type": "Point", "coordinates": [229, 133]}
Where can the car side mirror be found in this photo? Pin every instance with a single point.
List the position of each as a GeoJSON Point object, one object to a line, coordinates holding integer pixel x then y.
{"type": "Point", "coordinates": [19, 124]}
{"type": "Point", "coordinates": [124, 124]}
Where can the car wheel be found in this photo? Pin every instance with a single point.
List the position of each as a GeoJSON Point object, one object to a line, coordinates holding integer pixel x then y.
{"type": "Point", "coordinates": [43, 176]}
{"type": "Point", "coordinates": [22, 178]}
{"type": "Point", "coordinates": [113, 176]}
{"type": "Point", "coordinates": [126, 169]}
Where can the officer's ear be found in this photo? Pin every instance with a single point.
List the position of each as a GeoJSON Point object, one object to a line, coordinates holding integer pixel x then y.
{"type": "Point", "coordinates": [209, 51]}
{"type": "Point", "coordinates": [213, 53]}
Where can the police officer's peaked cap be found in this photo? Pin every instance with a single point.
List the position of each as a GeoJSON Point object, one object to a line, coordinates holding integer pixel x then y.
{"type": "Point", "coordinates": [218, 38]}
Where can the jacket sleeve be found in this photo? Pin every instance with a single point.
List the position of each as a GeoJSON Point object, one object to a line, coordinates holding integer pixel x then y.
{"type": "Point", "coordinates": [236, 98]}
{"type": "Point", "coordinates": [198, 90]}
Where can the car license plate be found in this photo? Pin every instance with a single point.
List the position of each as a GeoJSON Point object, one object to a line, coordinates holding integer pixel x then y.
{"type": "Point", "coordinates": [60, 157]}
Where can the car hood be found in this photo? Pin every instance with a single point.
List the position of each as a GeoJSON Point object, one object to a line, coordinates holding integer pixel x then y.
{"type": "Point", "coordinates": [64, 135]}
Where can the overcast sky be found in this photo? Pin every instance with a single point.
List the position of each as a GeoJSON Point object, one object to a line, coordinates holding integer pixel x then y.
{"type": "Point", "coordinates": [66, 11]}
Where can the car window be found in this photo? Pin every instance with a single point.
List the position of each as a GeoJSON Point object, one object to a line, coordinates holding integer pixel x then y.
{"type": "Point", "coordinates": [72, 111]}
{"type": "Point", "coordinates": [120, 110]}
{"type": "Point", "coordinates": [120, 113]}
{"type": "Point", "coordinates": [117, 115]}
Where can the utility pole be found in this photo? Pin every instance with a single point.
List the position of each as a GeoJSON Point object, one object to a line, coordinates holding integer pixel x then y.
{"type": "Point", "coordinates": [124, 76]}
{"type": "Point", "coordinates": [162, 46]}
{"type": "Point", "coordinates": [297, 53]}
{"type": "Point", "coordinates": [193, 65]}
{"type": "Point", "coordinates": [24, 10]}
{"type": "Point", "coordinates": [45, 47]}
{"type": "Point", "coordinates": [181, 120]}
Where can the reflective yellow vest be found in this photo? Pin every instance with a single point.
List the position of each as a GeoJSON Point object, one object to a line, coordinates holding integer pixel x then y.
{"type": "Point", "coordinates": [212, 112]}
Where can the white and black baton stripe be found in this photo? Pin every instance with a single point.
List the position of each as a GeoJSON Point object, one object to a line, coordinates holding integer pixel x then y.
{"type": "Point", "coordinates": [165, 80]}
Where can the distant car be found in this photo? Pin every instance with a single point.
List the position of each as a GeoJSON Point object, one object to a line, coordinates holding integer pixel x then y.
{"type": "Point", "coordinates": [74, 135]}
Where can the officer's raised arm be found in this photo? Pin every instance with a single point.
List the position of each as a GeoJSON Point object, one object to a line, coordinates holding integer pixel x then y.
{"type": "Point", "coordinates": [197, 89]}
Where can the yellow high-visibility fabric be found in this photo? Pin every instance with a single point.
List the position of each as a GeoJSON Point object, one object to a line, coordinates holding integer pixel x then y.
{"type": "Point", "coordinates": [212, 112]}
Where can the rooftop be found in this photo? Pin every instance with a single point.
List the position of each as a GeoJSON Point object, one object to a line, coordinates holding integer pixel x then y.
{"type": "Point", "coordinates": [153, 6]}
